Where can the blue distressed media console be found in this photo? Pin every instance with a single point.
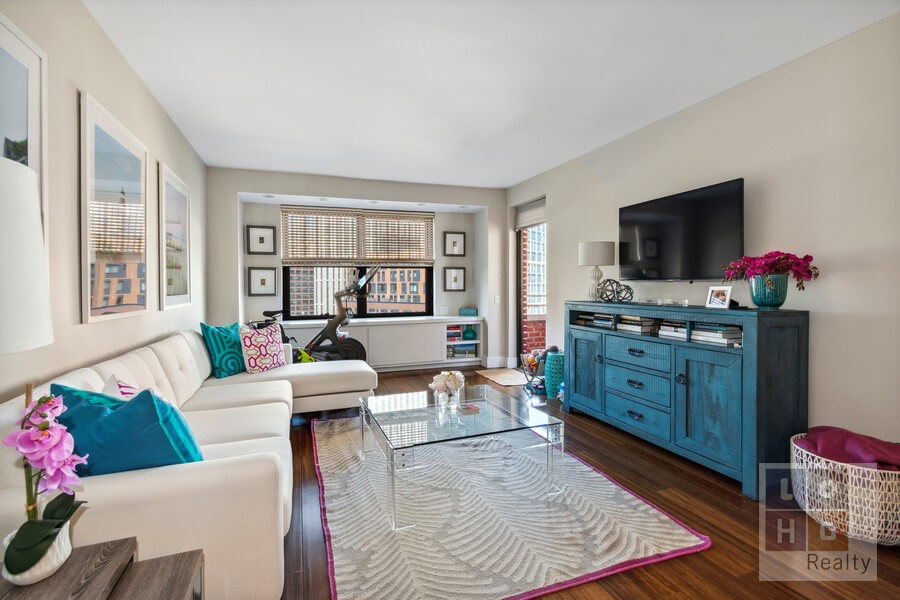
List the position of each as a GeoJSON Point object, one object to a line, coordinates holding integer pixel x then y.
{"type": "Point", "coordinates": [723, 407]}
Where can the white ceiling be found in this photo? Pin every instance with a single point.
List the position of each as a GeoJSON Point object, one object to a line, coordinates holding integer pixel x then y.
{"type": "Point", "coordinates": [483, 93]}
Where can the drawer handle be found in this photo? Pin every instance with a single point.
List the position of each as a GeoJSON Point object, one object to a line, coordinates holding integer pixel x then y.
{"type": "Point", "coordinates": [635, 352]}
{"type": "Point", "coordinates": [679, 378]}
{"type": "Point", "coordinates": [598, 359]}
{"type": "Point", "coordinates": [635, 384]}
{"type": "Point", "coordinates": [634, 414]}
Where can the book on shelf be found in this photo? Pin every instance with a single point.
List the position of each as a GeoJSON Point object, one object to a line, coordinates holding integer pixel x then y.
{"type": "Point", "coordinates": [673, 335]}
{"type": "Point", "coordinates": [634, 329]}
{"type": "Point", "coordinates": [633, 319]}
{"type": "Point", "coordinates": [718, 341]}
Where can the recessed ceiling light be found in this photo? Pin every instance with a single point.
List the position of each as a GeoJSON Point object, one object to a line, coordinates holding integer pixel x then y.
{"type": "Point", "coordinates": [268, 196]}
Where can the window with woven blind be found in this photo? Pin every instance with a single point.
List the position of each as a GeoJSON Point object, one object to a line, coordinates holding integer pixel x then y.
{"type": "Point", "coordinates": [316, 236]}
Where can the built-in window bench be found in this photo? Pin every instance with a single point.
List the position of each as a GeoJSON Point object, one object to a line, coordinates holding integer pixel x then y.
{"type": "Point", "coordinates": [396, 343]}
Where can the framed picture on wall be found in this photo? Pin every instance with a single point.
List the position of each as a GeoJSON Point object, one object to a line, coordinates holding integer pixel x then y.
{"type": "Point", "coordinates": [260, 239]}
{"type": "Point", "coordinates": [454, 279]}
{"type": "Point", "coordinates": [114, 268]}
{"type": "Point", "coordinates": [454, 243]}
{"type": "Point", "coordinates": [23, 106]}
{"type": "Point", "coordinates": [262, 281]}
{"type": "Point", "coordinates": [174, 240]}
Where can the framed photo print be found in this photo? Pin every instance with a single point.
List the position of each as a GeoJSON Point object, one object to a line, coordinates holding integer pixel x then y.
{"type": "Point", "coordinates": [454, 243]}
{"type": "Point", "coordinates": [454, 279]}
{"type": "Point", "coordinates": [718, 296]}
{"type": "Point", "coordinates": [260, 239]}
{"type": "Point", "coordinates": [114, 277]}
{"type": "Point", "coordinates": [174, 240]}
{"type": "Point", "coordinates": [23, 105]}
{"type": "Point", "coordinates": [261, 281]}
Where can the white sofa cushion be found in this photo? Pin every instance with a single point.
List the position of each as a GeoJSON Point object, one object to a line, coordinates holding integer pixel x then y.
{"type": "Point", "coordinates": [180, 366]}
{"type": "Point", "coordinates": [279, 445]}
{"type": "Point", "coordinates": [239, 423]}
{"type": "Point", "coordinates": [313, 379]}
{"type": "Point", "coordinates": [139, 368]}
{"type": "Point", "coordinates": [239, 394]}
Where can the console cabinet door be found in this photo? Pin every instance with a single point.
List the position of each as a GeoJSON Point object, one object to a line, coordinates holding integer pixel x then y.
{"type": "Point", "coordinates": [708, 404]}
{"type": "Point", "coordinates": [585, 349]}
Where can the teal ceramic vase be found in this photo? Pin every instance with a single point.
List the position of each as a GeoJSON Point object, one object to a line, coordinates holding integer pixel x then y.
{"type": "Point", "coordinates": [766, 297]}
{"type": "Point", "coordinates": [553, 373]}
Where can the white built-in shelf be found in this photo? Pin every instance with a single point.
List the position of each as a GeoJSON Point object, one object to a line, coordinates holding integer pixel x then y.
{"type": "Point", "coordinates": [463, 342]}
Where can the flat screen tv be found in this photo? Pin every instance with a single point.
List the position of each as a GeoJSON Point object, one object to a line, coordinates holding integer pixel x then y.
{"type": "Point", "coordinates": [684, 236]}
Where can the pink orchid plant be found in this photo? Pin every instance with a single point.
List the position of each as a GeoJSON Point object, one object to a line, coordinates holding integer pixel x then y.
{"type": "Point", "coordinates": [773, 263]}
{"type": "Point", "coordinates": [47, 448]}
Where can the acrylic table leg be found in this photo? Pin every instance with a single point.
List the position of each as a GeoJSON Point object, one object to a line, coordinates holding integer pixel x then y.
{"type": "Point", "coordinates": [392, 492]}
{"type": "Point", "coordinates": [555, 446]}
{"type": "Point", "coordinates": [362, 432]}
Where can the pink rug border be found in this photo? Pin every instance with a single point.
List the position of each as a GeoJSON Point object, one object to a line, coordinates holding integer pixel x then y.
{"type": "Point", "coordinates": [586, 578]}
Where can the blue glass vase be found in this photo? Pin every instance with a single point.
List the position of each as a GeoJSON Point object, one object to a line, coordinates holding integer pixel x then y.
{"type": "Point", "coordinates": [766, 297]}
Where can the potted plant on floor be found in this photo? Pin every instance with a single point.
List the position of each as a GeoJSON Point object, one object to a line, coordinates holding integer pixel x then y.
{"type": "Point", "coordinates": [40, 546]}
{"type": "Point", "coordinates": [768, 275]}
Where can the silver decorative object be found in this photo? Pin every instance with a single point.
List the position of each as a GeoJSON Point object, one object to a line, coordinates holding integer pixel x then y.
{"type": "Point", "coordinates": [610, 290]}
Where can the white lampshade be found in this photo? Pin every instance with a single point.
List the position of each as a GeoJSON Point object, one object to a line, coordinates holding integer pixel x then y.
{"type": "Point", "coordinates": [596, 254]}
{"type": "Point", "coordinates": [24, 288]}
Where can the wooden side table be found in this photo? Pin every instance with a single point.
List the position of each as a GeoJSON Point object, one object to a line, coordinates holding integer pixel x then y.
{"type": "Point", "coordinates": [108, 570]}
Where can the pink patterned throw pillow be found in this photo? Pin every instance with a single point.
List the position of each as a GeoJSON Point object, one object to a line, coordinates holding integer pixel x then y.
{"type": "Point", "coordinates": [262, 348]}
{"type": "Point", "coordinates": [117, 388]}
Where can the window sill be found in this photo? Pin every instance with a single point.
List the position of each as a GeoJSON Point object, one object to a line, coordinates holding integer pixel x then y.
{"type": "Point", "coordinates": [372, 322]}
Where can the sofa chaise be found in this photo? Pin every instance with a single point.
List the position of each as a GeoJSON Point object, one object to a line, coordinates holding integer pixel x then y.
{"type": "Point", "coordinates": [236, 503]}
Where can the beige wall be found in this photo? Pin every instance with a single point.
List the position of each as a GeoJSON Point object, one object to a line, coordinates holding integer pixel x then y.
{"type": "Point", "coordinates": [818, 142]}
{"type": "Point", "coordinates": [227, 300]}
{"type": "Point", "coordinates": [81, 56]}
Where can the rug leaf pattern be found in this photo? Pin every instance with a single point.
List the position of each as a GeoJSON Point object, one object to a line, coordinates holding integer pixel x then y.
{"type": "Point", "coordinates": [485, 528]}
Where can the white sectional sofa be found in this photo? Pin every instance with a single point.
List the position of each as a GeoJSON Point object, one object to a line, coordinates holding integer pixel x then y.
{"type": "Point", "coordinates": [236, 503]}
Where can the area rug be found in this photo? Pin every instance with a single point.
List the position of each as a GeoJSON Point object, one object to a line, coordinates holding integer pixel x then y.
{"type": "Point", "coordinates": [506, 377]}
{"type": "Point", "coordinates": [485, 528]}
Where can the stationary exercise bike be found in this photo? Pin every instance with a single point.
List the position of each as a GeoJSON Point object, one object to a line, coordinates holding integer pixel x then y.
{"type": "Point", "coordinates": [333, 344]}
{"type": "Point", "coordinates": [330, 343]}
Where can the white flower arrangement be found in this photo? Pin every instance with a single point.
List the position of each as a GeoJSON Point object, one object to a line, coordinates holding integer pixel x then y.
{"type": "Point", "coordinates": [447, 382]}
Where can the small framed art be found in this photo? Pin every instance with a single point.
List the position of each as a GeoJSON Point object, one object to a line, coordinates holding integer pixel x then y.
{"type": "Point", "coordinates": [262, 281]}
{"type": "Point", "coordinates": [718, 296]}
{"type": "Point", "coordinates": [454, 243]}
{"type": "Point", "coordinates": [260, 239]}
{"type": "Point", "coordinates": [454, 279]}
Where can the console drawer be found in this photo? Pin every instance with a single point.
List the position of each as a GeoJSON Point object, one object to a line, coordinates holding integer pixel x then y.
{"type": "Point", "coordinates": [637, 415]}
{"type": "Point", "coordinates": [652, 355]}
{"type": "Point", "coordinates": [651, 388]}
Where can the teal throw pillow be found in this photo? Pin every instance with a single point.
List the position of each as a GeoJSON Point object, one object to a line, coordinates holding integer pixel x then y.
{"type": "Point", "coordinates": [224, 346]}
{"type": "Point", "coordinates": [140, 433]}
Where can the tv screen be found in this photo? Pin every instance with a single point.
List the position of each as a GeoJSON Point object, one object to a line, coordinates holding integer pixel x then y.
{"type": "Point", "coordinates": [690, 235]}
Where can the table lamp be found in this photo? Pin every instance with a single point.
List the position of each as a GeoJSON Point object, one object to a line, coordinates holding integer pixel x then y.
{"type": "Point", "coordinates": [23, 270]}
{"type": "Point", "coordinates": [596, 254]}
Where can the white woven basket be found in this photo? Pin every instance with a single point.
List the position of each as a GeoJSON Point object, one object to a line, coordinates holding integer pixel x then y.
{"type": "Point", "coordinates": [857, 501]}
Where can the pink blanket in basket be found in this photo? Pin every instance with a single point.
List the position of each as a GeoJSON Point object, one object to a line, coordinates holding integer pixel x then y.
{"type": "Point", "coordinates": [845, 446]}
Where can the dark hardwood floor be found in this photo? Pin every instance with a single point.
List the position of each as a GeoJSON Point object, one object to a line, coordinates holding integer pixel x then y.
{"type": "Point", "coordinates": [710, 503]}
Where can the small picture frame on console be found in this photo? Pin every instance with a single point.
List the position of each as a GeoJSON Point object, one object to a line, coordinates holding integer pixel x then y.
{"type": "Point", "coordinates": [718, 296]}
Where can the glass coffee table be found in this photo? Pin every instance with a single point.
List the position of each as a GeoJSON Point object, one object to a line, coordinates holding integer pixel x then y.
{"type": "Point", "coordinates": [399, 424]}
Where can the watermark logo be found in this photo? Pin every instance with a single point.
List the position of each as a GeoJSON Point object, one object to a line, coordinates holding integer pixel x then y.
{"type": "Point", "coordinates": [793, 546]}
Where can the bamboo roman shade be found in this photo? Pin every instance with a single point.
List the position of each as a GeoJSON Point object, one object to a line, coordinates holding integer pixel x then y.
{"type": "Point", "coordinates": [317, 236]}
{"type": "Point", "coordinates": [531, 214]}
